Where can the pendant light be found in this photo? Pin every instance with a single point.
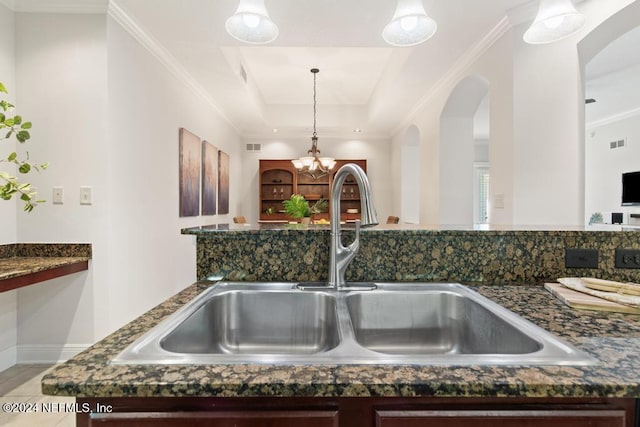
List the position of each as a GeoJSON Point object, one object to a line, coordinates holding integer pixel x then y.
{"type": "Point", "coordinates": [313, 165]}
{"type": "Point", "coordinates": [251, 23]}
{"type": "Point", "coordinates": [556, 20]}
{"type": "Point", "coordinates": [410, 25]}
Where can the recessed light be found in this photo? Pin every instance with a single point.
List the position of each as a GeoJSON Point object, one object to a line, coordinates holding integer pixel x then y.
{"type": "Point", "coordinates": [275, 130]}
{"type": "Point", "coordinates": [357, 130]}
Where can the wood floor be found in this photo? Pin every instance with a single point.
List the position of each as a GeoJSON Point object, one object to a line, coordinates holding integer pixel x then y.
{"type": "Point", "coordinates": [20, 388]}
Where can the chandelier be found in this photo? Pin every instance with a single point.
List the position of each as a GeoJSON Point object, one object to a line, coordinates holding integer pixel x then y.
{"type": "Point", "coordinates": [313, 165]}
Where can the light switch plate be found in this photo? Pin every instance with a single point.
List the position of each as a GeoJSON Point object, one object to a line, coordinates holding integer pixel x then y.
{"type": "Point", "coordinates": [57, 195]}
{"type": "Point", "coordinates": [86, 198]}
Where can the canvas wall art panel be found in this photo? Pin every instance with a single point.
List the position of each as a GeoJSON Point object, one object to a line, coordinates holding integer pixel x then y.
{"type": "Point", "coordinates": [209, 178]}
{"type": "Point", "coordinates": [189, 166]}
{"type": "Point", "coordinates": [223, 183]}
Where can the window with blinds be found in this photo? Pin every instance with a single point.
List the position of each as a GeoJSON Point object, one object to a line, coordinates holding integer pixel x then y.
{"type": "Point", "coordinates": [481, 196]}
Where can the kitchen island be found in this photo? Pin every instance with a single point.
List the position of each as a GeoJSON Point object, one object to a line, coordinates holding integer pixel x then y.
{"type": "Point", "coordinates": [613, 339]}
{"type": "Point", "coordinates": [365, 395]}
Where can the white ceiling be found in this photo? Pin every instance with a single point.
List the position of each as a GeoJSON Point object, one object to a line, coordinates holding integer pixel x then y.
{"type": "Point", "coordinates": [613, 80]}
{"type": "Point", "coordinates": [363, 82]}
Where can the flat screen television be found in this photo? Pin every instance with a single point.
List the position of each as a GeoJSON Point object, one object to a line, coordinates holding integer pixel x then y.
{"type": "Point", "coordinates": [631, 188]}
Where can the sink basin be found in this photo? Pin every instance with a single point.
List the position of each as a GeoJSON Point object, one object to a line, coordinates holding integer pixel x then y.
{"type": "Point", "coordinates": [255, 322]}
{"type": "Point", "coordinates": [433, 323]}
{"type": "Point", "coordinates": [389, 323]}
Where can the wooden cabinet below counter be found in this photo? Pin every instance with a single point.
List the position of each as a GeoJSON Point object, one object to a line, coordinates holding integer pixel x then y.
{"type": "Point", "coordinates": [359, 412]}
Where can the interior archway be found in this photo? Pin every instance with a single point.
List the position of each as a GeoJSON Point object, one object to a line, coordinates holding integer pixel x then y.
{"type": "Point", "coordinates": [458, 123]}
{"type": "Point", "coordinates": [610, 66]}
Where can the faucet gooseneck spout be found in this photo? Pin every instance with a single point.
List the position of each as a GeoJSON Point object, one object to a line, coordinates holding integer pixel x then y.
{"type": "Point", "coordinates": [341, 256]}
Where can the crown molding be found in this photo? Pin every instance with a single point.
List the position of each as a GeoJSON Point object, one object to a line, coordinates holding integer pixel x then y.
{"type": "Point", "coordinates": [155, 48]}
{"type": "Point", "coordinates": [458, 70]}
{"type": "Point", "coordinates": [57, 6]}
{"type": "Point", "coordinates": [612, 119]}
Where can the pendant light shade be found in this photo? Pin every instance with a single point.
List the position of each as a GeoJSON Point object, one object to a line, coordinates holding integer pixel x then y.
{"type": "Point", "coordinates": [251, 23]}
{"type": "Point", "coordinates": [410, 25]}
{"type": "Point", "coordinates": [556, 20]}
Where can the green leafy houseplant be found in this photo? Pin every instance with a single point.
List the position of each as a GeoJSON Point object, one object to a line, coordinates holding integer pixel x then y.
{"type": "Point", "coordinates": [298, 207]}
{"type": "Point", "coordinates": [15, 126]}
{"type": "Point", "coordinates": [319, 206]}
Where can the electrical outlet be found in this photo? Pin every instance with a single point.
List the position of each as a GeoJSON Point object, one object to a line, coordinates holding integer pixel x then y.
{"type": "Point", "coordinates": [627, 258]}
{"type": "Point", "coordinates": [57, 195]}
{"type": "Point", "coordinates": [581, 258]}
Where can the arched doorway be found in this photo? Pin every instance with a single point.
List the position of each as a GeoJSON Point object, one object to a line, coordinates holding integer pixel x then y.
{"type": "Point", "coordinates": [611, 75]}
{"type": "Point", "coordinates": [463, 147]}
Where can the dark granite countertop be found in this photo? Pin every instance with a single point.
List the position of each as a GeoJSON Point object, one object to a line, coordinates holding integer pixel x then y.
{"type": "Point", "coordinates": [613, 339]}
{"type": "Point", "coordinates": [23, 264]}
{"type": "Point", "coordinates": [209, 229]}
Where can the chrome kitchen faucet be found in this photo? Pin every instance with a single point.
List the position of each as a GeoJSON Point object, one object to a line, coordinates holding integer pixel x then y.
{"type": "Point", "coordinates": [341, 256]}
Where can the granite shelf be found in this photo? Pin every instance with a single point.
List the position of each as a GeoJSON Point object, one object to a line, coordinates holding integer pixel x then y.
{"type": "Point", "coordinates": [24, 264]}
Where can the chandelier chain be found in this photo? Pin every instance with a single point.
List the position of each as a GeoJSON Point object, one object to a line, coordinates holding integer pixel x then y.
{"type": "Point", "coordinates": [314, 105]}
{"type": "Point", "coordinates": [312, 164]}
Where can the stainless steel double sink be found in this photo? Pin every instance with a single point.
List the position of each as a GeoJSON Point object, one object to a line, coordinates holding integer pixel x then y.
{"type": "Point", "coordinates": [395, 323]}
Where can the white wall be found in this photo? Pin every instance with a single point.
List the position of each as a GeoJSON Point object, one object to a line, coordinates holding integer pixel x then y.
{"type": "Point", "coordinates": [8, 300]}
{"type": "Point", "coordinates": [494, 66]}
{"type": "Point", "coordinates": [536, 149]}
{"type": "Point", "coordinates": [410, 177]}
{"type": "Point", "coordinates": [604, 166]}
{"type": "Point", "coordinates": [106, 114]}
{"type": "Point", "coordinates": [375, 151]}
{"type": "Point", "coordinates": [7, 77]}
{"type": "Point", "coordinates": [548, 185]}
{"type": "Point", "coordinates": [61, 76]}
{"type": "Point", "coordinates": [149, 258]}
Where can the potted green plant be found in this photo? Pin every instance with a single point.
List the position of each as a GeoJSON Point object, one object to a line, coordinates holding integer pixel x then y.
{"type": "Point", "coordinates": [297, 207]}
{"type": "Point", "coordinates": [319, 206]}
{"type": "Point", "coordinates": [15, 126]}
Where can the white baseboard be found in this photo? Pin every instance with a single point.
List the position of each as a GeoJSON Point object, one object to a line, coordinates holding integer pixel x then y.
{"type": "Point", "coordinates": [49, 353]}
{"type": "Point", "coordinates": [8, 357]}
